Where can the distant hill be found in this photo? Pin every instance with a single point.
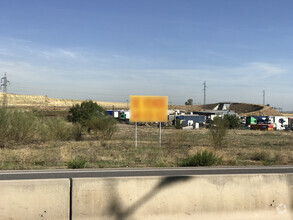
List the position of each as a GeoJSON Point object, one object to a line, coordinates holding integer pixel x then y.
{"type": "Point", "coordinates": [243, 109]}
{"type": "Point", "coordinates": [44, 101]}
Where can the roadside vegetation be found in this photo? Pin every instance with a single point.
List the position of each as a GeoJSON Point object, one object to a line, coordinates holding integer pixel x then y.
{"type": "Point", "coordinates": [219, 127]}
{"type": "Point", "coordinates": [201, 158]}
{"type": "Point", "coordinates": [29, 140]}
{"type": "Point", "coordinates": [218, 130]}
{"type": "Point", "coordinates": [25, 127]}
{"type": "Point", "coordinates": [93, 118]}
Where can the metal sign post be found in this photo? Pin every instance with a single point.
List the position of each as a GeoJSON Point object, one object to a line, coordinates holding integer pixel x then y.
{"type": "Point", "coordinates": [135, 134]}
{"type": "Point", "coordinates": [160, 134]}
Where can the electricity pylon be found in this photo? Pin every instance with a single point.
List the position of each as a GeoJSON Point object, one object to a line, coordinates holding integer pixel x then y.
{"type": "Point", "coordinates": [204, 94]}
{"type": "Point", "coordinates": [4, 85]}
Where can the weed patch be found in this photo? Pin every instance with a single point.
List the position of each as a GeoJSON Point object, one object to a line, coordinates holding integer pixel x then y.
{"type": "Point", "coordinates": [203, 158]}
{"type": "Point", "coordinates": [218, 131]}
{"type": "Point", "coordinates": [76, 163]}
{"type": "Point", "coordinates": [102, 127]}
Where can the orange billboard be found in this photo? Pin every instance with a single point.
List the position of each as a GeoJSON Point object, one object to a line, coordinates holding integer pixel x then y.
{"type": "Point", "coordinates": [148, 108]}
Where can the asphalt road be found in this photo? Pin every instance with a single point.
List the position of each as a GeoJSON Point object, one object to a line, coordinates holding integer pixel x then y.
{"type": "Point", "coordinates": [128, 172]}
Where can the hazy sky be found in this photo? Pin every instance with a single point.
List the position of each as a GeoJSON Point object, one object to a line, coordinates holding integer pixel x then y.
{"type": "Point", "coordinates": [107, 50]}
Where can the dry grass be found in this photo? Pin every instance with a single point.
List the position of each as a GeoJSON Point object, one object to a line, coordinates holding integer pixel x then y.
{"type": "Point", "coordinates": [290, 115]}
{"type": "Point", "coordinates": [244, 147]}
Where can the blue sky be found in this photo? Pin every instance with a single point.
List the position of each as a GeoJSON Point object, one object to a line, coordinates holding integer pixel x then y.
{"type": "Point", "coordinates": [107, 50]}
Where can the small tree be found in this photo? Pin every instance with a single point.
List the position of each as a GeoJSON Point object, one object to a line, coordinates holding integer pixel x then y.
{"type": "Point", "coordinates": [178, 125]}
{"type": "Point", "coordinates": [103, 127]}
{"type": "Point", "coordinates": [83, 112]}
{"type": "Point", "coordinates": [232, 121]}
{"type": "Point", "coordinates": [218, 131]}
{"type": "Point", "coordinates": [189, 102]}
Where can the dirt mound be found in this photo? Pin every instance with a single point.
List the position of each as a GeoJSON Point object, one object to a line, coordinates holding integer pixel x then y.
{"type": "Point", "coordinates": [191, 108]}
{"type": "Point", "coordinates": [266, 110]}
{"type": "Point", "coordinates": [243, 109]}
{"type": "Point", "coordinates": [44, 101]}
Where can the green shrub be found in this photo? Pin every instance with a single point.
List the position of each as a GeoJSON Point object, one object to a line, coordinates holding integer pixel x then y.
{"type": "Point", "coordinates": [260, 156]}
{"type": "Point", "coordinates": [4, 127]}
{"type": "Point", "coordinates": [83, 112]}
{"type": "Point", "coordinates": [18, 126]}
{"type": "Point", "coordinates": [76, 163]}
{"type": "Point", "coordinates": [103, 126]}
{"type": "Point", "coordinates": [265, 157]}
{"type": "Point", "coordinates": [57, 129]}
{"type": "Point", "coordinates": [77, 132]}
{"type": "Point", "coordinates": [232, 121]}
{"type": "Point", "coordinates": [26, 127]}
{"type": "Point", "coordinates": [218, 131]}
{"type": "Point", "coordinates": [203, 158]}
{"type": "Point", "coordinates": [178, 125]}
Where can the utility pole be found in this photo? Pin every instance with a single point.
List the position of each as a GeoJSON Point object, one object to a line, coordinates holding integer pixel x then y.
{"type": "Point", "coordinates": [4, 84]}
{"type": "Point", "coordinates": [204, 95]}
{"type": "Point", "coordinates": [264, 97]}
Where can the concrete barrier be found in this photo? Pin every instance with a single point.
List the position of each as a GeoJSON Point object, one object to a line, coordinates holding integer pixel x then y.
{"type": "Point", "coordinates": [34, 199]}
{"type": "Point", "coordinates": [190, 197]}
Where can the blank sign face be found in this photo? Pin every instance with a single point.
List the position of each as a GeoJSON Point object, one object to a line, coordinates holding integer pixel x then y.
{"type": "Point", "coordinates": [148, 108]}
